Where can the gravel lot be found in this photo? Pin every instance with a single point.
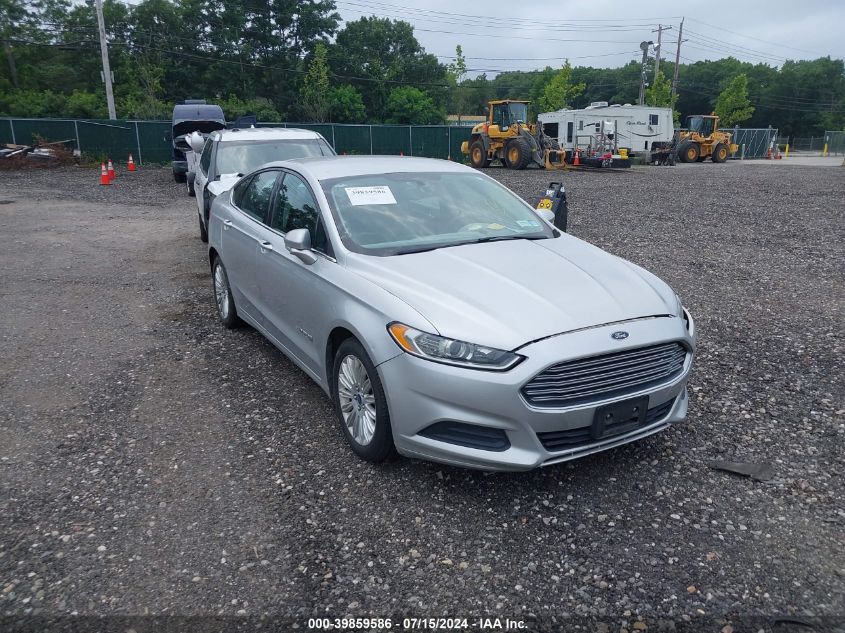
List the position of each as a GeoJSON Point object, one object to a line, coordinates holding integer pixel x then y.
{"type": "Point", "coordinates": [152, 462]}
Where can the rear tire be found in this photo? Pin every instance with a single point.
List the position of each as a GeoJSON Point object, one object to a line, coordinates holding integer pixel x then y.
{"type": "Point", "coordinates": [689, 152]}
{"type": "Point", "coordinates": [720, 153]}
{"type": "Point", "coordinates": [517, 154]}
{"type": "Point", "coordinates": [360, 403]}
{"type": "Point", "coordinates": [223, 296]}
{"type": "Point", "coordinates": [478, 155]}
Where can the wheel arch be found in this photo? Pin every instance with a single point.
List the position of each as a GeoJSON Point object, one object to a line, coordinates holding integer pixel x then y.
{"type": "Point", "coordinates": [485, 141]}
{"type": "Point", "coordinates": [336, 337]}
{"type": "Point", "coordinates": [212, 255]}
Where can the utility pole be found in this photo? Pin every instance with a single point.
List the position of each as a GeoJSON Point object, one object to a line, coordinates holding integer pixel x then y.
{"type": "Point", "coordinates": [677, 61]}
{"type": "Point", "coordinates": [658, 49]}
{"type": "Point", "coordinates": [104, 51]}
{"type": "Point", "coordinates": [644, 46]}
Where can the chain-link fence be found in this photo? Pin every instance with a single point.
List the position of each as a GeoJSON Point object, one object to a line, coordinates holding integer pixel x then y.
{"type": "Point", "coordinates": [148, 141]}
{"type": "Point", "coordinates": [753, 142]}
{"type": "Point", "coordinates": [832, 141]}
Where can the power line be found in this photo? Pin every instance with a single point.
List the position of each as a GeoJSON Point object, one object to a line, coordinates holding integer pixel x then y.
{"type": "Point", "coordinates": [510, 20]}
{"type": "Point", "coordinates": [778, 44]}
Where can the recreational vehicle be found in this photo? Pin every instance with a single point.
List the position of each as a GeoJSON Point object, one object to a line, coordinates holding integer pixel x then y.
{"type": "Point", "coordinates": [635, 128]}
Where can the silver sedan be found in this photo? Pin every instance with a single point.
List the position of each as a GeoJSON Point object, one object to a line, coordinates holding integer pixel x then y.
{"type": "Point", "coordinates": [446, 318]}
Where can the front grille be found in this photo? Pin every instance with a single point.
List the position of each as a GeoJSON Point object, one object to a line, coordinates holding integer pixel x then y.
{"type": "Point", "coordinates": [470, 435]}
{"type": "Point", "coordinates": [603, 377]}
{"type": "Point", "coordinates": [573, 438]}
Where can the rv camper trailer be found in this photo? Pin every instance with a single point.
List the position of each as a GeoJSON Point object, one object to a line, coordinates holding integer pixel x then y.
{"type": "Point", "coordinates": [635, 128]}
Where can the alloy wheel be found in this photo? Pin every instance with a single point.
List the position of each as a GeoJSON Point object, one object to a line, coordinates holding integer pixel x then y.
{"type": "Point", "coordinates": [357, 401]}
{"type": "Point", "coordinates": [221, 291]}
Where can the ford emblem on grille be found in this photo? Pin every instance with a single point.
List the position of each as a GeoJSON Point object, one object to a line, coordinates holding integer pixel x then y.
{"type": "Point", "coordinates": [619, 335]}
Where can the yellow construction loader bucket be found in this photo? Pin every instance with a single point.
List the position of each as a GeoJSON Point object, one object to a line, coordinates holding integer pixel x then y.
{"type": "Point", "coordinates": [555, 159]}
{"type": "Point", "coordinates": [623, 153]}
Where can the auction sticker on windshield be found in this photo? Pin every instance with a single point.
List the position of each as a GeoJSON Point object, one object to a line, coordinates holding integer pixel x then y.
{"type": "Point", "coordinates": [379, 194]}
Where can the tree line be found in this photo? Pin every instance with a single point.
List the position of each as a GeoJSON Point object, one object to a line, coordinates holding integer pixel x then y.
{"type": "Point", "coordinates": [295, 60]}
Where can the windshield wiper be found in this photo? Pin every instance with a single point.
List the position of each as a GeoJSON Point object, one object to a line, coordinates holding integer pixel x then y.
{"type": "Point", "coordinates": [502, 238]}
{"type": "Point", "coordinates": [480, 240]}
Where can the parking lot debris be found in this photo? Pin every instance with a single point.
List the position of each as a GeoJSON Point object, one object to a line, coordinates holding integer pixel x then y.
{"type": "Point", "coordinates": [40, 154]}
{"type": "Point", "coordinates": [758, 472]}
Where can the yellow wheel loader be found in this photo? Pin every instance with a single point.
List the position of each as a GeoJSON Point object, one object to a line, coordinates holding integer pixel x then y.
{"type": "Point", "coordinates": [702, 139]}
{"type": "Point", "coordinates": [506, 136]}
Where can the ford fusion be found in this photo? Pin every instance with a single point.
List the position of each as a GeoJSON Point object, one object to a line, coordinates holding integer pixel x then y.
{"type": "Point", "coordinates": [444, 317]}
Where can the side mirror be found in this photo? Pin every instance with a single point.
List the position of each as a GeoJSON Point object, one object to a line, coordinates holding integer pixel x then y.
{"type": "Point", "coordinates": [547, 215]}
{"type": "Point", "coordinates": [196, 142]}
{"type": "Point", "coordinates": [298, 242]}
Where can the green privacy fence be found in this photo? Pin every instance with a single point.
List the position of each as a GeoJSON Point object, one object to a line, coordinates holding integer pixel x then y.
{"type": "Point", "coordinates": [147, 140]}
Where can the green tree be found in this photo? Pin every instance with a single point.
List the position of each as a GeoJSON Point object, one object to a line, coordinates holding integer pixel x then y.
{"type": "Point", "coordinates": [86, 105]}
{"type": "Point", "coordinates": [378, 54]}
{"type": "Point", "coordinates": [315, 95]}
{"type": "Point", "coordinates": [457, 69]}
{"type": "Point", "coordinates": [262, 108]}
{"type": "Point", "coordinates": [560, 91]}
{"type": "Point", "coordinates": [733, 105]}
{"type": "Point", "coordinates": [659, 94]}
{"type": "Point", "coordinates": [409, 105]}
{"type": "Point", "coordinates": [347, 106]}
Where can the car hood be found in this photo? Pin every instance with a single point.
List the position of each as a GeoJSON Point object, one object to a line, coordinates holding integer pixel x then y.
{"type": "Point", "coordinates": [506, 294]}
{"type": "Point", "coordinates": [223, 183]}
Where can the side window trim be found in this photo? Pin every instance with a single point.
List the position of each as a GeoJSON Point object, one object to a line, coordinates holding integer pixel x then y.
{"type": "Point", "coordinates": [320, 220]}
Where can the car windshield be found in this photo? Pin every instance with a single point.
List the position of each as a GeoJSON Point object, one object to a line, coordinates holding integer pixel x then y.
{"type": "Point", "coordinates": [242, 157]}
{"type": "Point", "coordinates": [395, 214]}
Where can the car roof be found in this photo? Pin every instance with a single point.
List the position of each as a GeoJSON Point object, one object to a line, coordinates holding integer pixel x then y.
{"type": "Point", "coordinates": [326, 167]}
{"type": "Point", "coordinates": [266, 134]}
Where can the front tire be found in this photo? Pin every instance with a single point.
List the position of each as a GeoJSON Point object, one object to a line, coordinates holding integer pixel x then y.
{"type": "Point", "coordinates": [517, 154]}
{"type": "Point", "coordinates": [189, 184]}
{"type": "Point", "coordinates": [179, 176]}
{"type": "Point", "coordinates": [689, 152]}
{"type": "Point", "coordinates": [223, 296]}
{"type": "Point", "coordinates": [360, 403]}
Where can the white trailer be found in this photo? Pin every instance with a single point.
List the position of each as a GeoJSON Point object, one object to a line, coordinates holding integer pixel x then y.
{"type": "Point", "coordinates": [635, 128]}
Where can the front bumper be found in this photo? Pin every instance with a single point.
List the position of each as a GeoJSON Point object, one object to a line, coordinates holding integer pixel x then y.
{"type": "Point", "coordinates": [421, 393]}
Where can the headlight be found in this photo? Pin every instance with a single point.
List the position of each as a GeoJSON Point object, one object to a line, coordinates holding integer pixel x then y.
{"type": "Point", "coordinates": [679, 308]}
{"type": "Point", "coordinates": [450, 351]}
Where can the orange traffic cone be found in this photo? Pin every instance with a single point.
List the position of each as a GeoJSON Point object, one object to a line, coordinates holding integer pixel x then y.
{"type": "Point", "coordinates": [104, 175]}
{"type": "Point", "coordinates": [111, 173]}
{"type": "Point", "coordinates": [577, 159]}
{"type": "Point", "coordinates": [130, 164]}
{"type": "Point", "coordinates": [401, 153]}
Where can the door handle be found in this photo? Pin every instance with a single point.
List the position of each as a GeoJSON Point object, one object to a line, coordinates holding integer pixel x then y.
{"type": "Point", "coordinates": [226, 224]}
{"type": "Point", "coordinates": [265, 246]}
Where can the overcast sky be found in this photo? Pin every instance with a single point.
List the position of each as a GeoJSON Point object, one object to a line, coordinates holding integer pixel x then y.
{"type": "Point", "coordinates": [499, 35]}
